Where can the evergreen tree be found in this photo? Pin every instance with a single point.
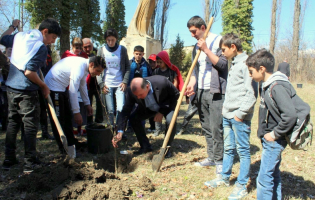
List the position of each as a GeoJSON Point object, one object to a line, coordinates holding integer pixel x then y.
{"type": "Point", "coordinates": [177, 53]}
{"type": "Point", "coordinates": [115, 17]}
{"type": "Point", "coordinates": [237, 18]}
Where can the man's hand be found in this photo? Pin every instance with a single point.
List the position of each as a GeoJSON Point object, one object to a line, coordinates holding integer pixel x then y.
{"type": "Point", "coordinates": [78, 119]}
{"type": "Point", "coordinates": [105, 89]}
{"type": "Point", "coordinates": [89, 110]}
{"type": "Point", "coordinates": [123, 86]}
{"type": "Point", "coordinates": [45, 90]}
{"type": "Point", "coordinates": [116, 139]}
{"type": "Point", "coordinates": [268, 137]}
{"type": "Point", "coordinates": [158, 117]}
{"type": "Point", "coordinates": [190, 90]}
{"type": "Point", "coordinates": [16, 23]}
{"type": "Point", "coordinates": [238, 119]}
{"type": "Point", "coordinates": [202, 45]}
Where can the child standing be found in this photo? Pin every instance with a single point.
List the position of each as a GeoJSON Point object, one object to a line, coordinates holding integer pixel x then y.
{"type": "Point", "coordinates": [171, 72]}
{"type": "Point", "coordinates": [272, 132]}
{"type": "Point", "coordinates": [237, 111]}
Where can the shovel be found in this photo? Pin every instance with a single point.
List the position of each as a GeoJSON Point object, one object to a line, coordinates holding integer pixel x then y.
{"type": "Point", "coordinates": [158, 159]}
{"type": "Point", "coordinates": [63, 138]}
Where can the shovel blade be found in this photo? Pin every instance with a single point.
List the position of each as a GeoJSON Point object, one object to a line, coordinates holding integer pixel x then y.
{"type": "Point", "coordinates": [64, 142]}
{"type": "Point", "coordinates": [158, 159]}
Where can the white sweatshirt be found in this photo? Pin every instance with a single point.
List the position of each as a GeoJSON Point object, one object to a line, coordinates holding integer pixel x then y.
{"type": "Point", "coordinates": [72, 72]}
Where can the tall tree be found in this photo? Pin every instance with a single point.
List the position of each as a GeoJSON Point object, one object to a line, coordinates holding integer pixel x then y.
{"type": "Point", "coordinates": [115, 17]}
{"type": "Point", "coordinates": [165, 8]}
{"type": "Point", "coordinates": [296, 34]}
{"type": "Point", "coordinates": [177, 53]}
{"type": "Point", "coordinates": [237, 17]}
{"type": "Point", "coordinates": [275, 15]}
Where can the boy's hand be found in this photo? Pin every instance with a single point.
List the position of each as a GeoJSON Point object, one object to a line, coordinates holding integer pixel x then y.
{"type": "Point", "coordinates": [116, 139]}
{"type": "Point", "coordinates": [202, 45]}
{"type": "Point", "coordinates": [238, 119]}
{"type": "Point", "coordinates": [268, 137]}
{"type": "Point", "coordinates": [78, 119]}
{"type": "Point", "coordinates": [190, 90]}
{"type": "Point", "coordinates": [122, 86]}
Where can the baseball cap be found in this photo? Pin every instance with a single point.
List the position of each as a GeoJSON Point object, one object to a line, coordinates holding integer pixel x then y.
{"type": "Point", "coordinates": [152, 57]}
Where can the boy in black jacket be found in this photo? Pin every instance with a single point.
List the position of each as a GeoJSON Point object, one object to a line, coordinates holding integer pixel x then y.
{"type": "Point", "coordinates": [271, 132]}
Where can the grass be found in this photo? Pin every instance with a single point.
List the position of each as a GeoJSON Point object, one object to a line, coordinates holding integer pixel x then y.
{"type": "Point", "coordinates": [180, 179]}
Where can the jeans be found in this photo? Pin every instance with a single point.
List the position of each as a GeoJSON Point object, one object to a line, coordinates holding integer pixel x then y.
{"type": "Point", "coordinates": [120, 101]}
{"type": "Point", "coordinates": [23, 107]}
{"type": "Point", "coordinates": [268, 180]}
{"type": "Point", "coordinates": [210, 114]}
{"type": "Point", "coordinates": [136, 119]}
{"type": "Point", "coordinates": [236, 136]}
{"type": "Point", "coordinates": [191, 111]}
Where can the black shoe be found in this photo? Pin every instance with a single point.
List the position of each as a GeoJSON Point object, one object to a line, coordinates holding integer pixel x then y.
{"type": "Point", "coordinates": [30, 164]}
{"type": "Point", "coordinates": [7, 164]}
{"type": "Point", "coordinates": [142, 151]}
{"type": "Point", "coordinates": [168, 154]}
{"type": "Point", "coordinates": [47, 136]}
{"type": "Point", "coordinates": [80, 145]}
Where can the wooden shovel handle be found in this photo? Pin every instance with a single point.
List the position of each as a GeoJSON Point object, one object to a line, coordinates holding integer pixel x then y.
{"type": "Point", "coordinates": [179, 101]}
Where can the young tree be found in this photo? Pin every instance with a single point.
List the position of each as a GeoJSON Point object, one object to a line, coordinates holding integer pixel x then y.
{"type": "Point", "coordinates": [237, 17]}
{"type": "Point", "coordinates": [115, 17]}
{"type": "Point", "coordinates": [177, 53]}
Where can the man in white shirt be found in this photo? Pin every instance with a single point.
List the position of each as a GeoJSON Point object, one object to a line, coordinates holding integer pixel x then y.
{"type": "Point", "coordinates": [208, 82]}
{"type": "Point", "coordinates": [72, 72]}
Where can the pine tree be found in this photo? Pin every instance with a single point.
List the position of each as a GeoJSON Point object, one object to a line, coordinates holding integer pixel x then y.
{"type": "Point", "coordinates": [115, 17]}
{"type": "Point", "coordinates": [177, 53]}
{"type": "Point", "coordinates": [237, 18]}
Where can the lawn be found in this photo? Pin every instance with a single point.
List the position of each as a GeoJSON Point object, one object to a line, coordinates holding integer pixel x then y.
{"type": "Point", "coordinates": [179, 178]}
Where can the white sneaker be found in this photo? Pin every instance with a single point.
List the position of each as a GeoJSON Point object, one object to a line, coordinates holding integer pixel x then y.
{"type": "Point", "coordinates": [71, 151]}
{"type": "Point", "coordinates": [205, 162]}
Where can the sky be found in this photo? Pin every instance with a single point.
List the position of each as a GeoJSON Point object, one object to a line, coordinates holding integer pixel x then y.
{"type": "Point", "coordinates": [182, 10]}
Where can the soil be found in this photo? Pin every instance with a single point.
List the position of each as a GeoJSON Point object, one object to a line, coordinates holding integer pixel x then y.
{"type": "Point", "coordinates": [67, 179]}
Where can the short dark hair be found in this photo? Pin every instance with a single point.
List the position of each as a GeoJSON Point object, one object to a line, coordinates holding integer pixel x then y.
{"type": "Point", "coordinates": [52, 25]}
{"type": "Point", "coordinates": [196, 21]}
{"type": "Point", "coordinates": [138, 48]}
{"type": "Point", "coordinates": [231, 38]}
{"type": "Point", "coordinates": [143, 84]}
{"type": "Point", "coordinates": [111, 32]}
{"type": "Point", "coordinates": [262, 57]}
{"type": "Point", "coordinates": [98, 61]}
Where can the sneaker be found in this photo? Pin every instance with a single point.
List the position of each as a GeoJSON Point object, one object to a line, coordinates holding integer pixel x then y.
{"type": "Point", "coordinates": [150, 130]}
{"type": "Point", "coordinates": [156, 133]}
{"type": "Point", "coordinates": [217, 182]}
{"type": "Point", "coordinates": [218, 169]}
{"type": "Point", "coordinates": [205, 162]}
{"type": "Point", "coordinates": [7, 164]}
{"type": "Point", "coordinates": [30, 164]}
{"type": "Point", "coordinates": [239, 192]}
{"type": "Point", "coordinates": [181, 131]}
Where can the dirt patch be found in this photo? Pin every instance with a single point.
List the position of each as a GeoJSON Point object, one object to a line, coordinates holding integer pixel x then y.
{"type": "Point", "coordinates": [68, 179]}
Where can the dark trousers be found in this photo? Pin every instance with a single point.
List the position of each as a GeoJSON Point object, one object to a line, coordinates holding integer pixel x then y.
{"type": "Point", "coordinates": [152, 123]}
{"type": "Point", "coordinates": [4, 109]}
{"type": "Point", "coordinates": [136, 119]}
{"type": "Point", "coordinates": [99, 107]}
{"type": "Point", "coordinates": [23, 107]}
{"type": "Point", "coordinates": [43, 110]}
{"type": "Point", "coordinates": [63, 111]}
{"type": "Point", "coordinates": [191, 111]}
{"type": "Point", "coordinates": [210, 114]}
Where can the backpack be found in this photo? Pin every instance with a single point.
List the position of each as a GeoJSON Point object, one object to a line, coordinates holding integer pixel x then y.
{"type": "Point", "coordinates": [302, 133]}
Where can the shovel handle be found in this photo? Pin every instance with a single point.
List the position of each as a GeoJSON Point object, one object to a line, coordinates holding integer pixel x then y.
{"type": "Point", "coordinates": [179, 101]}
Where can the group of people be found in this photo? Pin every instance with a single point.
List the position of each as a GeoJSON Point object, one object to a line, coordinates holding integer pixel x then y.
{"type": "Point", "coordinates": [135, 90]}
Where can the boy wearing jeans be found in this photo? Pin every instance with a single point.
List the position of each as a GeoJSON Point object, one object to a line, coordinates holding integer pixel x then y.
{"type": "Point", "coordinates": [237, 111]}
{"type": "Point", "coordinates": [272, 133]}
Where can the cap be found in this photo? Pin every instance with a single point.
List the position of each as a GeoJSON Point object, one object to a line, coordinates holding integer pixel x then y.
{"type": "Point", "coordinates": [152, 57]}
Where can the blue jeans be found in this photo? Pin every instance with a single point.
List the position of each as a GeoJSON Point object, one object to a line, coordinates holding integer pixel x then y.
{"type": "Point", "coordinates": [268, 180]}
{"type": "Point", "coordinates": [236, 136]}
{"type": "Point", "coordinates": [120, 101]}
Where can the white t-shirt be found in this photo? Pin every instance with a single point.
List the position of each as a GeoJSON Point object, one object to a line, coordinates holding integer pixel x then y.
{"type": "Point", "coordinates": [113, 75]}
{"type": "Point", "coordinates": [70, 71]}
{"type": "Point", "coordinates": [205, 65]}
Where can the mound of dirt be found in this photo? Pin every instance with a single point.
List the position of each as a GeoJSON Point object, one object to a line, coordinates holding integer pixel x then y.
{"type": "Point", "coordinates": [68, 179]}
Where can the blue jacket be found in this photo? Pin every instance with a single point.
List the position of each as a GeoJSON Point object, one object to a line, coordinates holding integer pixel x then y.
{"type": "Point", "coordinates": [145, 69]}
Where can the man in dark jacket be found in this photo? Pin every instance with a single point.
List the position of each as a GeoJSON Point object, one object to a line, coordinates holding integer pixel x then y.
{"type": "Point", "coordinates": [284, 67]}
{"type": "Point", "coordinates": [156, 96]}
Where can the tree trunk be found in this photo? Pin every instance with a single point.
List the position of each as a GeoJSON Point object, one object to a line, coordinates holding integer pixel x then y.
{"type": "Point", "coordinates": [152, 23]}
{"type": "Point", "coordinates": [166, 5]}
{"type": "Point", "coordinates": [65, 27]}
{"type": "Point", "coordinates": [207, 11]}
{"type": "Point", "coordinates": [295, 41]}
{"type": "Point", "coordinates": [273, 27]}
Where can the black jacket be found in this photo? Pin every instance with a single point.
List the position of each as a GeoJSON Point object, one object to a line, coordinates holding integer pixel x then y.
{"type": "Point", "coordinates": [284, 67]}
{"type": "Point", "coordinates": [165, 94]}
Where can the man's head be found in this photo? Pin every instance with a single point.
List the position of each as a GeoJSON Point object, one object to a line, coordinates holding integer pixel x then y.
{"type": "Point", "coordinates": [76, 45]}
{"type": "Point", "coordinates": [50, 30]}
{"type": "Point", "coordinates": [152, 61]}
{"type": "Point", "coordinates": [260, 63]}
{"type": "Point", "coordinates": [140, 87]}
{"type": "Point", "coordinates": [230, 45]}
{"type": "Point", "coordinates": [138, 53]}
{"type": "Point", "coordinates": [96, 65]}
{"type": "Point", "coordinates": [87, 46]}
{"type": "Point", "coordinates": [197, 27]}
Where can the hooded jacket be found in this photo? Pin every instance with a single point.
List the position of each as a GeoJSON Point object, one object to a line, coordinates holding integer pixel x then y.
{"type": "Point", "coordinates": [286, 101]}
